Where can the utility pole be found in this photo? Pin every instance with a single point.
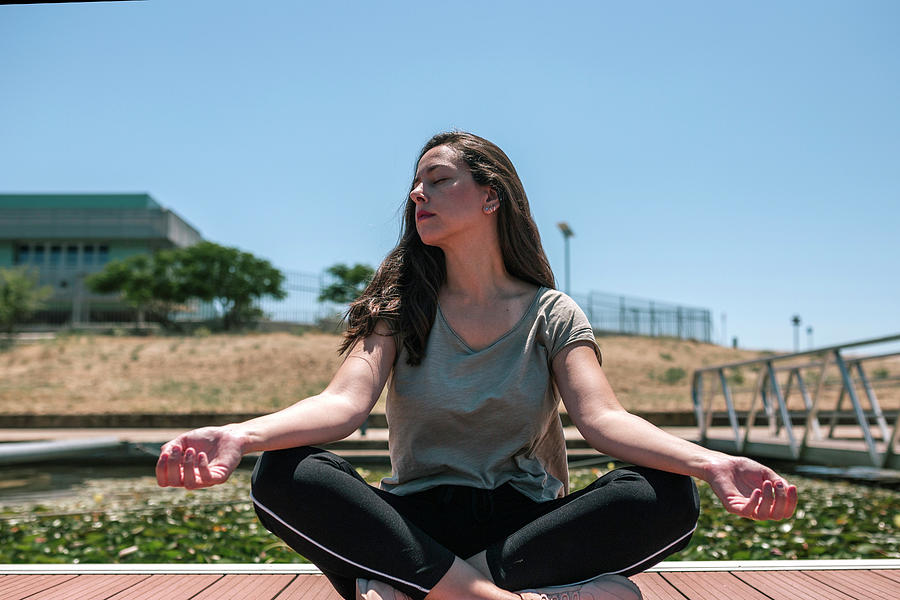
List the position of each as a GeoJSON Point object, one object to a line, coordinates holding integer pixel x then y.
{"type": "Point", "coordinates": [567, 233]}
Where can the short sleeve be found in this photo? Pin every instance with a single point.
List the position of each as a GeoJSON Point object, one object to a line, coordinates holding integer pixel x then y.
{"type": "Point", "coordinates": [567, 324]}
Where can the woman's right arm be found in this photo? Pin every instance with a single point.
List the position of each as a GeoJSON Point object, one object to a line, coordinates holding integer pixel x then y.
{"type": "Point", "coordinates": [209, 455]}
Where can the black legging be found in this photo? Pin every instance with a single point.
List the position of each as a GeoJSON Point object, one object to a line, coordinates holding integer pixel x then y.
{"type": "Point", "coordinates": [622, 523]}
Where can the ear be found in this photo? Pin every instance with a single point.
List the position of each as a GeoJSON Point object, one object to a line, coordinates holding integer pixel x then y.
{"type": "Point", "coordinates": [492, 202]}
{"type": "Point", "coordinates": [492, 197]}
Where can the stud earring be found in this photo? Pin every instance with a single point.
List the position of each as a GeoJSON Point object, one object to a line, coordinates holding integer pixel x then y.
{"type": "Point", "coordinates": [491, 208]}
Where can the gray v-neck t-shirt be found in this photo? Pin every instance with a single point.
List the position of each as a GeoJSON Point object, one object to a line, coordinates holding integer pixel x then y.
{"type": "Point", "coordinates": [487, 417]}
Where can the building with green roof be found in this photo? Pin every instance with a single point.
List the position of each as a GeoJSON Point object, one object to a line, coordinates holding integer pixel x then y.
{"type": "Point", "coordinates": [68, 236]}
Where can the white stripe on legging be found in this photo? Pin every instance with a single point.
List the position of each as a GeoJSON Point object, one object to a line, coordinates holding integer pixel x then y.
{"type": "Point", "coordinates": [663, 549]}
{"type": "Point", "coordinates": [333, 553]}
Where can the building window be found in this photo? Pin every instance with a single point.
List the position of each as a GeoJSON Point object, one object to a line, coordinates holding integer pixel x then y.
{"type": "Point", "coordinates": [55, 256]}
{"type": "Point", "coordinates": [71, 256]}
{"type": "Point", "coordinates": [87, 257]}
{"type": "Point", "coordinates": [102, 254]}
{"type": "Point", "coordinates": [38, 255]}
{"type": "Point", "coordinates": [22, 255]}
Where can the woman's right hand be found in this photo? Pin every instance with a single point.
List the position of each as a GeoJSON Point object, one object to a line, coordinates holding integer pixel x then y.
{"type": "Point", "coordinates": [199, 458]}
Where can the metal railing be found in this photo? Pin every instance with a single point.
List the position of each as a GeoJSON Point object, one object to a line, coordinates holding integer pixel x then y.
{"type": "Point", "coordinates": [772, 395]}
{"type": "Point", "coordinates": [612, 313]}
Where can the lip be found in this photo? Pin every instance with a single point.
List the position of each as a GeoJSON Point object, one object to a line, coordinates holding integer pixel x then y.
{"type": "Point", "coordinates": [423, 214]}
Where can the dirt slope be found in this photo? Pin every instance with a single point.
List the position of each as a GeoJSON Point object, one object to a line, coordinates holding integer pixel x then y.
{"type": "Point", "coordinates": [261, 372]}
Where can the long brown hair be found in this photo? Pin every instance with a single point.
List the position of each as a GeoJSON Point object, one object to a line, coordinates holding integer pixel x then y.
{"type": "Point", "coordinates": [404, 291]}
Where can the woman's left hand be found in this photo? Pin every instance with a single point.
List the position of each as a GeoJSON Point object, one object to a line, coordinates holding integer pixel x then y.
{"type": "Point", "coordinates": [752, 490]}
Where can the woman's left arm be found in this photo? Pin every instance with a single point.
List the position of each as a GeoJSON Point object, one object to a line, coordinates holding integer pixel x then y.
{"type": "Point", "coordinates": [745, 487]}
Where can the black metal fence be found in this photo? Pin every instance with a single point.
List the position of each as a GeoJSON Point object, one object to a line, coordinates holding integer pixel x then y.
{"type": "Point", "coordinates": [302, 304]}
{"type": "Point", "coordinates": [608, 313]}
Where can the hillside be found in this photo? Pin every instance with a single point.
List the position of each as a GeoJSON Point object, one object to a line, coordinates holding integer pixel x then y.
{"type": "Point", "coordinates": [89, 374]}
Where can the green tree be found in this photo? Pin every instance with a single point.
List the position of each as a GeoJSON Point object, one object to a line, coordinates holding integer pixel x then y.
{"type": "Point", "coordinates": [233, 278]}
{"type": "Point", "coordinates": [351, 281]}
{"type": "Point", "coordinates": [148, 282]}
{"type": "Point", "coordinates": [161, 281]}
{"type": "Point", "coordinates": [20, 296]}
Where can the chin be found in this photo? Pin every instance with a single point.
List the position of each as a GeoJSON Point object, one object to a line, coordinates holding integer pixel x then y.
{"type": "Point", "coordinates": [428, 237]}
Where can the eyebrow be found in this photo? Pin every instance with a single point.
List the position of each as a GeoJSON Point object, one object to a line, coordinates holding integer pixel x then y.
{"type": "Point", "coordinates": [430, 169]}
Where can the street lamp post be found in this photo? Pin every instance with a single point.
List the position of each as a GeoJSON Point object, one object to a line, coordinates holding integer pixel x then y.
{"type": "Point", "coordinates": [567, 233]}
{"type": "Point", "coordinates": [796, 321]}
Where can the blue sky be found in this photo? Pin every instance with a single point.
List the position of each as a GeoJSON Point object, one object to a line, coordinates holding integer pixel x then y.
{"type": "Point", "coordinates": [737, 156]}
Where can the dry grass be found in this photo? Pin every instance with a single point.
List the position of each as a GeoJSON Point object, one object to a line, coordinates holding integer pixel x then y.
{"type": "Point", "coordinates": [98, 374]}
{"type": "Point", "coordinates": [644, 372]}
{"type": "Point", "coordinates": [263, 372]}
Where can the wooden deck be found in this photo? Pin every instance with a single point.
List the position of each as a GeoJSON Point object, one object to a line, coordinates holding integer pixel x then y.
{"type": "Point", "coordinates": [747, 580]}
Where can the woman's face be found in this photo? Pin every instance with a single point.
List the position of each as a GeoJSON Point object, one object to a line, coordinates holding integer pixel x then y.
{"type": "Point", "coordinates": [449, 203]}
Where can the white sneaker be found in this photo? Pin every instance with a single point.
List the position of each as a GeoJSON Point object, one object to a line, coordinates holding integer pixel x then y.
{"type": "Point", "coordinates": [607, 587]}
{"type": "Point", "coordinates": [372, 589]}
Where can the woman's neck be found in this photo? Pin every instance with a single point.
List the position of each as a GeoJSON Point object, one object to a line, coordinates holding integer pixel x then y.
{"type": "Point", "coordinates": [477, 276]}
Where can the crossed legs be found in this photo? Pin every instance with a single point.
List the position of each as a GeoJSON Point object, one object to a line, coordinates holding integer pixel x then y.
{"type": "Point", "coordinates": [622, 523]}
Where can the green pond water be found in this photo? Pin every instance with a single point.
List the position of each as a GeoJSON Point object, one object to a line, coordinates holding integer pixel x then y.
{"type": "Point", "coordinates": [71, 514]}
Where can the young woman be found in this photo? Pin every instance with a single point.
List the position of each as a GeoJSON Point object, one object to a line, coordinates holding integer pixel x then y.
{"type": "Point", "coordinates": [463, 321]}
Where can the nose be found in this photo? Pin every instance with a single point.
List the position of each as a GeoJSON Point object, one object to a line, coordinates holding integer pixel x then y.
{"type": "Point", "coordinates": [417, 194]}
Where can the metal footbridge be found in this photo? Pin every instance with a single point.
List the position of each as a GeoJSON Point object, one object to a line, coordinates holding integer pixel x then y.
{"type": "Point", "coordinates": [794, 407]}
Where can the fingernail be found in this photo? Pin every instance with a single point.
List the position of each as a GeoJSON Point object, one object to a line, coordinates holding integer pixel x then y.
{"type": "Point", "coordinates": [779, 484]}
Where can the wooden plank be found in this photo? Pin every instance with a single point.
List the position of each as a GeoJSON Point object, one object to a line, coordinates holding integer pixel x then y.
{"type": "Point", "coordinates": [90, 587]}
{"type": "Point", "coordinates": [16, 587]}
{"type": "Point", "coordinates": [309, 587]}
{"type": "Point", "coordinates": [864, 585]}
{"type": "Point", "coordinates": [302, 586]}
{"type": "Point", "coordinates": [712, 586]}
{"type": "Point", "coordinates": [891, 574]}
{"type": "Point", "coordinates": [654, 587]}
{"type": "Point", "coordinates": [695, 585]}
{"type": "Point", "coordinates": [246, 587]}
{"type": "Point", "coordinates": [684, 566]}
{"type": "Point", "coordinates": [170, 587]}
{"type": "Point", "coordinates": [789, 585]}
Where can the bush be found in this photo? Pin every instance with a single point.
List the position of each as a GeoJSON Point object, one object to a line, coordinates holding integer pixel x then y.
{"type": "Point", "coordinates": [20, 296]}
{"type": "Point", "coordinates": [673, 375]}
{"type": "Point", "coordinates": [736, 378]}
